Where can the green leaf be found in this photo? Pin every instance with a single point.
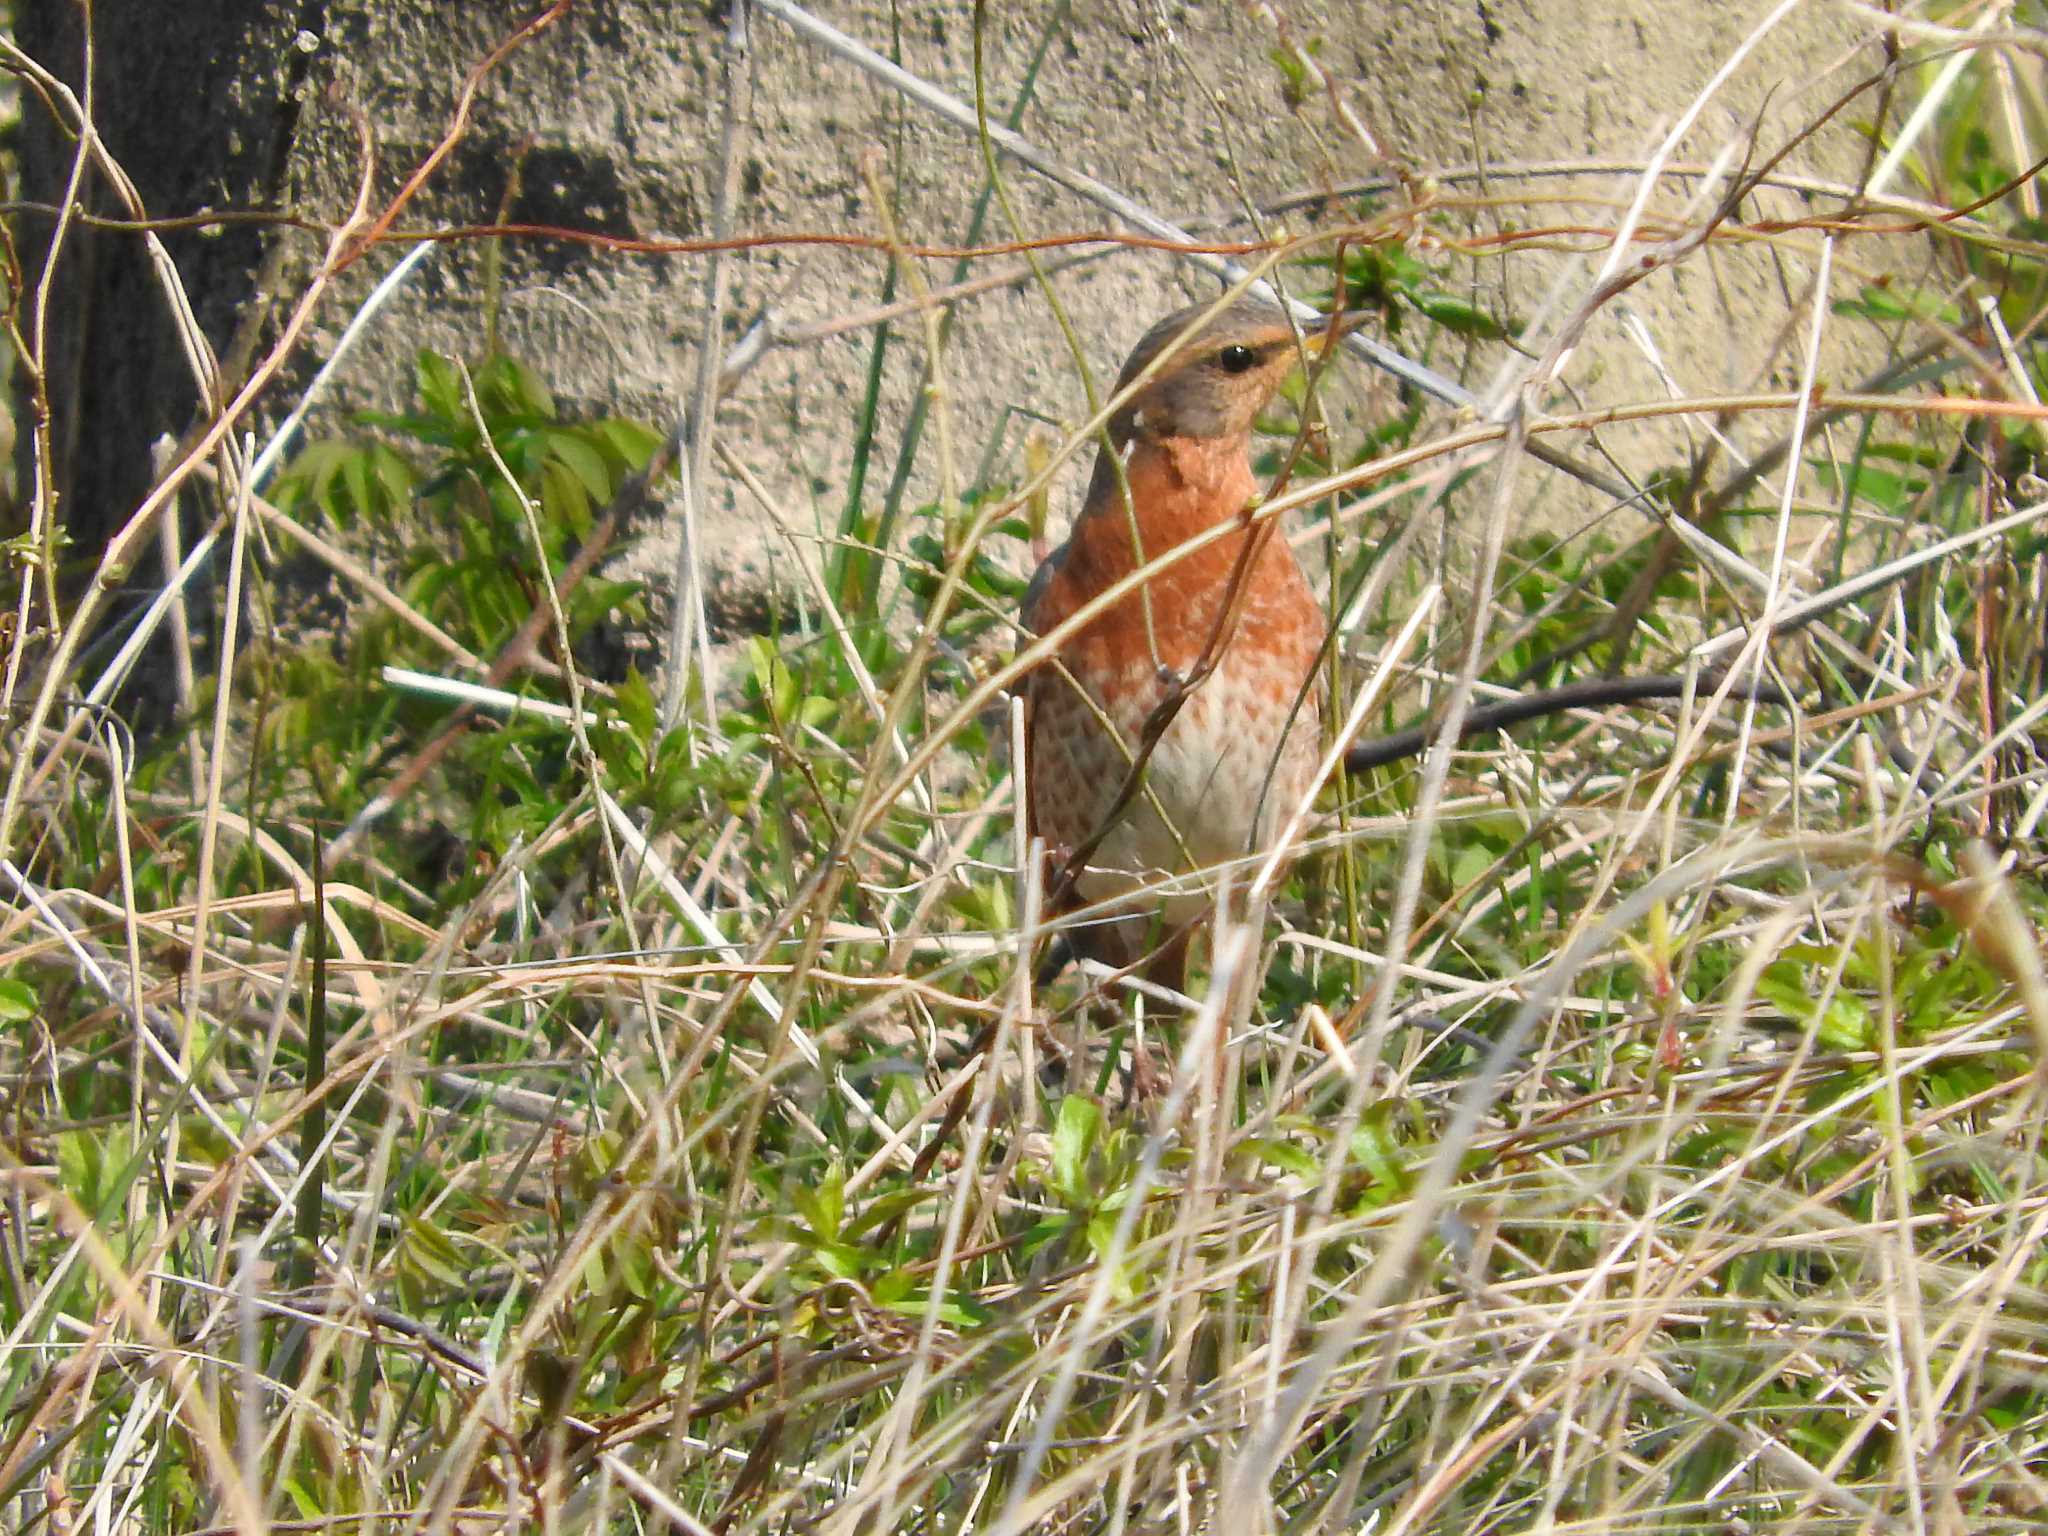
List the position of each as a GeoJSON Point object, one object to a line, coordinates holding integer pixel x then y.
{"type": "Point", "coordinates": [636, 1269]}
{"type": "Point", "coordinates": [1469, 865]}
{"type": "Point", "coordinates": [428, 1250]}
{"type": "Point", "coordinates": [89, 1164]}
{"type": "Point", "coordinates": [440, 388]}
{"type": "Point", "coordinates": [355, 479]}
{"type": "Point", "coordinates": [824, 1208]}
{"type": "Point", "coordinates": [18, 1000]}
{"type": "Point", "coordinates": [1073, 1138]}
{"type": "Point", "coordinates": [1280, 1153]}
{"type": "Point", "coordinates": [310, 472]}
{"type": "Point", "coordinates": [635, 700]}
{"type": "Point", "coordinates": [564, 502]}
{"type": "Point", "coordinates": [1374, 1149]}
{"type": "Point", "coordinates": [1101, 1238]}
{"type": "Point", "coordinates": [1845, 1025]}
{"type": "Point", "coordinates": [1785, 986]}
{"type": "Point", "coordinates": [841, 1260]}
{"type": "Point", "coordinates": [885, 1208]}
{"type": "Point", "coordinates": [507, 387]}
{"type": "Point", "coordinates": [630, 440]}
{"type": "Point", "coordinates": [310, 1508]}
{"type": "Point", "coordinates": [425, 429]}
{"type": "Point", "coordinates": [504, 500]}
{"type": "Point", "coordinates": [569, 448]}
{"type": "Point", "coordinates": [395, 475]}
{"type": "Point", "coordinates": [77, 1163]}
{"type": "Point", "coordinates": [953, 1311]}
{"type": "Point", "coordinates": [761, 659]}
{"type": "Point", "coordinates": [1456, 314]}
{"type": "Point", "coordinates": [1892, 303]}
{"type": "Point", "coordinates": [1293, 76]}
{"type": "Point", "coordinates": [1043, 1232]}
{"type": "Point", "coordinates": [832, 1197]}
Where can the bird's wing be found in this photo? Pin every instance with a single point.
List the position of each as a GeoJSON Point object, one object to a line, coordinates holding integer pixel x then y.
{"type": "Point", "coordinates": [1034, 594]}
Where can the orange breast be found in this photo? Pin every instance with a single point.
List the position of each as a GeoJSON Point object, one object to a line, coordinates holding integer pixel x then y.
{"type": "Point", "coordinates": [1239, 755]}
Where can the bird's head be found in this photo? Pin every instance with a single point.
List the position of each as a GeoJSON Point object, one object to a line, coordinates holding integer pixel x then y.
{"type": "Point", "coordinates": [1219, 374]}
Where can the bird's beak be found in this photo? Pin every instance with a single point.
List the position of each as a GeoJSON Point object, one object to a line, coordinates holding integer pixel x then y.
{"type": "Point", "coordinates": [1324, 333]}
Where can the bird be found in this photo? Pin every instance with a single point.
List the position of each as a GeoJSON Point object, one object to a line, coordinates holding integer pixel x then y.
{"type": "Point", "coordinates": [1221, 645]}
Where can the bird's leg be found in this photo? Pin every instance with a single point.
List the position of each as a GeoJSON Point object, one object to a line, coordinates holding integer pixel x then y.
{"type": "Point", "coordinates": [1167, 967]}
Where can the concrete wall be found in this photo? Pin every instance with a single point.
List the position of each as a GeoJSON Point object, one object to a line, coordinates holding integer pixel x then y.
{"type": "Point", "coordinates": [616, 110]}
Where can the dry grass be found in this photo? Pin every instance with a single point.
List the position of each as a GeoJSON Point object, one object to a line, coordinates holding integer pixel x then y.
{"type": "Point", "coordinates": [1637, 1124]}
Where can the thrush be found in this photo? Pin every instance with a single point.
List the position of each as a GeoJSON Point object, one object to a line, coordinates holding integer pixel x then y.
{"type": "Point", "coordinates": [1174, 733]}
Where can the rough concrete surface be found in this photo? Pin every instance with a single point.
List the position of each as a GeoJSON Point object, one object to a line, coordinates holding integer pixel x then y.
{"type": "Point", "coordinates": [618, 108]}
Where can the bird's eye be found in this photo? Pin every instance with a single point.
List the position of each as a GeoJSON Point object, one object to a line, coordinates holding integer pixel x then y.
{"type": "Point", "coordinates": [1235, 359]}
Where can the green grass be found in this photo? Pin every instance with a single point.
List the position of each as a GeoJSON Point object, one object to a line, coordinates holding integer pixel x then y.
{"type": "Point", "coordinates": [657, 1120]}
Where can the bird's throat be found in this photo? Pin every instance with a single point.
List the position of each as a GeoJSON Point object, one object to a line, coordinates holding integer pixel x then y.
{"type": "Point", "coordinates": [1184, 486]}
